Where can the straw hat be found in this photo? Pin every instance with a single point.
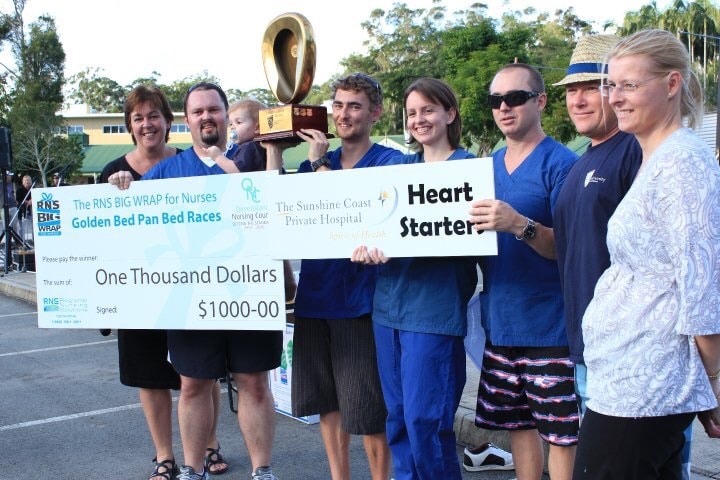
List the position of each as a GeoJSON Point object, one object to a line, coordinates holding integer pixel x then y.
{"type": "Point", "coordinates": [588, 59]}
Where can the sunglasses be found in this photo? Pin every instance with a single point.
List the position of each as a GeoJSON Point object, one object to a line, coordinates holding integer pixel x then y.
{"type": "Point", "coordinates": [512, 99]}
{"type": "Point", "coordinates": [368, 79]}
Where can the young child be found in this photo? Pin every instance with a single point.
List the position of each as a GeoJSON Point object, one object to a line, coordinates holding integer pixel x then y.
{"type": "Point", "coordinates": [248, 156]}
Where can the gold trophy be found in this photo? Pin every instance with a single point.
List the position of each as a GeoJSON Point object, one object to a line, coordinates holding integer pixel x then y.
{"type": "Point", "coordinates": [288, 52]}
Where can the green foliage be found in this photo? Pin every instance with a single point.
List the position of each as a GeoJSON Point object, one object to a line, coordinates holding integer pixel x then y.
{"type": "Point", "coordinates": [262, 95]}
{"type": "Point", "coordinates": [37, 147]}
{"type": "Point", "coordinates": [100, 93]}
{"type": "Point", "coordinates": [151, 79]}
{"type": "Point", "coordinates": [176, 91]}
{"type": "Point", "coordinates": [697, 24]}
{"type": "Point", "coordinates": [472, 84]}
{"type": "Point", "coordinates": [31, 102]}
{"type": "Point", "coordinates": [42, 63]}
{"type": "Point", "coordinates": [401, 47]}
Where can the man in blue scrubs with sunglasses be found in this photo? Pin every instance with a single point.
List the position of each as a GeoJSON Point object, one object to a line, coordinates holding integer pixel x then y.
{"type": "Point", "coordinates": [527, 385]}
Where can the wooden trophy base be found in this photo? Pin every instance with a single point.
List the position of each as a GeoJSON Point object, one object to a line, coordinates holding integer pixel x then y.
{"type": "Point", "coordinates": [281, 123]}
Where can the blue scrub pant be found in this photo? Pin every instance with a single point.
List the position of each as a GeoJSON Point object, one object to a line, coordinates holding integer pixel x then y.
{"type": "Point", "coordinates": [422, 377]}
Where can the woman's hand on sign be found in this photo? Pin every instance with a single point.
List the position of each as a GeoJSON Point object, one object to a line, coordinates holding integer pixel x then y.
{"type": "Point", "coordinates": [121, 179]}
{"type": "Point", "coordinates": [367, 256]}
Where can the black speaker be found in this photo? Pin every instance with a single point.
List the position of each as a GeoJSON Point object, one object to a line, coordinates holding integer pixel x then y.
{"type": "Point", "coordinates": [5, 149]}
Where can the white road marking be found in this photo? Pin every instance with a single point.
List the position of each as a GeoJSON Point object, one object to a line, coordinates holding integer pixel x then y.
{"type": "Point", "coordinates": [17, 314]}
{"type": "Point", "coordinates": [77, 345]}
{"type": "Point", "coordinates": [68, 417]}
{"type": "Point", "coordinates": [63, 418]}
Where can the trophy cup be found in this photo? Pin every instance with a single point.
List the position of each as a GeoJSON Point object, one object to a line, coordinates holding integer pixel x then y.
{"type": "Point", "coordinates": [288, 52]}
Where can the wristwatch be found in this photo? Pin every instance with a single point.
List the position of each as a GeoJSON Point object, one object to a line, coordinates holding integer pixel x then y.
{"type": "Point", "coordinates": [323, 161]}
{"type": "Point", "coordinates": [528, 232]}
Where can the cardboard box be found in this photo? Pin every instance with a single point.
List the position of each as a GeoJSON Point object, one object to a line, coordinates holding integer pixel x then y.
{"type": "Point", "coordinates": [281, 378]}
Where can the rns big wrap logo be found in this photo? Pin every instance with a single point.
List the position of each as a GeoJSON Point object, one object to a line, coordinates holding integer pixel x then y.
{"type": "Point", "coordinates": [51, 304]}
{"type": "Point", "coordinates": [48, 215]}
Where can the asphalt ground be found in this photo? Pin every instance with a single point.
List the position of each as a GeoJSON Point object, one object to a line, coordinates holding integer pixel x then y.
{"type": "Point", "coordinates": [64, 413]}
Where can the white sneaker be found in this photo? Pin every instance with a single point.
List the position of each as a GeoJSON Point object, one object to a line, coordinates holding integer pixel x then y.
{"type": "Point", "coordinates": [263, 473]}
{"type": "Point", "coordinates": [487, 457]}
{"type": "Point", "coordinates": [187, 473]}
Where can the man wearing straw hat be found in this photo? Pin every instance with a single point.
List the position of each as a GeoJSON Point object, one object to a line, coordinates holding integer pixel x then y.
{"type": "Point", "coordinates": [592, 190]}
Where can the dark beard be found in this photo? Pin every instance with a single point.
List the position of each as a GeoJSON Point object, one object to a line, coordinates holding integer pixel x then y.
{"type": "Point", "coordinates": [210, 138]}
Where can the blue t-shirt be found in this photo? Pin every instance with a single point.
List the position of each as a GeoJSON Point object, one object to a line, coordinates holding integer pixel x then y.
{"type": "Point", "coordinates": [425, 294]}
{"type": "Point", "coordinates": [339, 288]}
{"type": "Point", "coordinates": [249, 157]}
{"type": "Point", "coordinates": [184, 164]}
{"type": "Point", "coordinates": [592, 191]}
{"type": "Point", "coordinates": [521, 302]}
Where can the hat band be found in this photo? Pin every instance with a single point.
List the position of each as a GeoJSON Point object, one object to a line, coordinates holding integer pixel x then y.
{"type": "Point", "coordinates": [586, 68]}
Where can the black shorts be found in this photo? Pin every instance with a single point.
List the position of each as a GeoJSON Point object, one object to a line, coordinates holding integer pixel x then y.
{"type": "Point", "coordinates": [211, 354]}
{"type": "Point", "coordinates": [638, 448]}
{"type": "Point", "coordinates": [335, 369]}
{"type": "Point", "coordinates": [143, 360]}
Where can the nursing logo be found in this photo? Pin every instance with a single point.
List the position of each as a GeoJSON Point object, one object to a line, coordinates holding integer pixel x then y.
{"type": "Point", "coordinates": [591, 178]}
{"type": "Point", "coordinates": [47, 211]}
{"type": "Point", "coordinates": [251, 191]}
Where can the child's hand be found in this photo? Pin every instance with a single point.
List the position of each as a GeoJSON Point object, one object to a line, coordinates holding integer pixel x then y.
{"type": "Point", "coordinates": [213, 152]}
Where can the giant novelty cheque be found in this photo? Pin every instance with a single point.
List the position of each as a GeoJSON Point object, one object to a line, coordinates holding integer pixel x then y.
{"type": "Point", "coordinates": [204, 253]}
{"type": "Point", "coordinates": [184, 253]}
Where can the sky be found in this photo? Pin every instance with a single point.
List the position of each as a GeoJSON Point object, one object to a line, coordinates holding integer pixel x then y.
{"type": "Point", "coordinates": [132, 38]}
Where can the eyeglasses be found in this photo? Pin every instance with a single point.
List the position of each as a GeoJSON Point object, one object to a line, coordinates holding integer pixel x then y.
{"type": "Point", "coordinates": [511, 99]}
{"type": "Point", "coordinates": [625, 88]}
{"type": "Point", "coordinates": [368, 79]}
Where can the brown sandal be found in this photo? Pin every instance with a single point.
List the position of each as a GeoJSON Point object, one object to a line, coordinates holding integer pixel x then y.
{"type": "Point", "coordinates": [213, 457]}
{"type": "Point", "coordinates": [165, 470]}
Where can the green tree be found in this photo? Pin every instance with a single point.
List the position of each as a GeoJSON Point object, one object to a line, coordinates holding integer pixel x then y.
{"type": "Point", "coordinates": [647, 17]}
{"type": "Point", "coordinates": [401, 47]}
{"type": "Point", "coordinates": [151, 79]}
{"type": "Point", "coordinates": [38, 145]}
{"type": "Point", "coordinates": [100, 93]}
{"type": "Point", "coordinates": [471, 52]}
{"type": "Point", "coordinates": [697, 24]}
{"type": "Point", "coordinates": [474, 49]}
{"type": "Point", "coordinates": [176, 91]}
{"type": "Point", "coordinates": [263, 95]}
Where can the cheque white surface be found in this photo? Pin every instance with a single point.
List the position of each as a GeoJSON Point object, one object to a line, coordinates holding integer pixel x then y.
{"type": "Point", "coordinates": [186, 253]}
{"type": "Point", "coordinates": [405, 210]}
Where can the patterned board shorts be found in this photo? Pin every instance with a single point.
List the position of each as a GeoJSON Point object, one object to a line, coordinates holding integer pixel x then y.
{"type": "Point", "coordinates": [525, 388]}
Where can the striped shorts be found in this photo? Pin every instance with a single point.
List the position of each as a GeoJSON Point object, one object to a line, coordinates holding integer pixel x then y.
{"type": "Point", "coordinates": [524, 388]}
{"type": "Point", "coordinates": [335, 368]}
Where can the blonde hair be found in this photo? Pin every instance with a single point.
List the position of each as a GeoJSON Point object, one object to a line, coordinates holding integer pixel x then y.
{"type": "Point", "coordinates": [667, 54]}
{"type": "Point", "coordinates": [250, 105]}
